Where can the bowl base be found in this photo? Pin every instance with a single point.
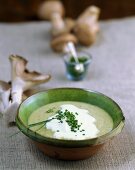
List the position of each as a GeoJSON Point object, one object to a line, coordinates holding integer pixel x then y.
{"type": "Point", "coordinates": [68, 153]}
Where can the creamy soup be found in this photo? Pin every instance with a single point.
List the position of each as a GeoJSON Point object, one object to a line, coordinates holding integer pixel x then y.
{"type": "Point", "coordinates": [71, 120]}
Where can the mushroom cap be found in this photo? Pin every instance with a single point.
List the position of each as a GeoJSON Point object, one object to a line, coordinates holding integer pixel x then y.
{"type": "Point", "coordinates": [90, 11]}
{"type": "Point", "coordinates": [47, 8]}
{"type": "Point", "coordinates": [19, 70]}
{"type": "Point", "coordinates": [59, 43]}
{"type": "Point", "coordinates": [85, 33]}
{"type": "Point", "coordinates": [86, 26]}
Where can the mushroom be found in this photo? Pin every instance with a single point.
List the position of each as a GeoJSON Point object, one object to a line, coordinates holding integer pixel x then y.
{"type": "Point", "coordinates": [70, 23]}
{"type": "Point", "coordinates": [48, 8]}
{"type": "Point", "coordinates": [59, 43]}
{"type": "Point", "coordinates": [23, 79]}
{"type": "Point", "coordinates": [54, 11]}
{"type": "Point", "coordinates": [4, 95]}
{"type": "Point", "coordinates": [86, 26]}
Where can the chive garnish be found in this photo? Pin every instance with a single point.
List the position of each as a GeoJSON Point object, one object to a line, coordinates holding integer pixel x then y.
{"type": "Point", "coordinates": [50, 110]}
{"type": "Point", "coordinates": [38, 123]}
{"type": "Point", "coordinates": [68, 116]}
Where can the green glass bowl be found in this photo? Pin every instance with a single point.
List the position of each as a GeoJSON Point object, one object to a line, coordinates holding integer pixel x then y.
{"type": "Point", "coordinates": [69, 149]}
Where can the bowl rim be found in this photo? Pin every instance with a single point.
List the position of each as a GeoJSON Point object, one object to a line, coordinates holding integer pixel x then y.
{"type": "Point", "coordinates": [49, 140]}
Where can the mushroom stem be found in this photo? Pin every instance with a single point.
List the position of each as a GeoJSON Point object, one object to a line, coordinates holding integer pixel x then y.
{"type": "Point", "coordinates": [5, 98]}
{"type": "Point", "coordinates": [54, 11]}
{"type": "Point", "coordinates": [4, 95]}
{"type": "Point", "coordinates": [58, 25]}
{"type": "Point", "coordinates": [17, 90]}
{"type": "Point", "coordinates": [10, 114]}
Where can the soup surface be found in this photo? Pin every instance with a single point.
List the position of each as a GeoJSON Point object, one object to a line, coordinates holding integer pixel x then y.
{"type": "Point", "coordinates": [70, 120]}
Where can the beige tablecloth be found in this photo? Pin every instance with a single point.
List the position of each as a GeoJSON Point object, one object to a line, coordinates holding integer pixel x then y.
{"type": "Point", "coordinates": [112, 72]}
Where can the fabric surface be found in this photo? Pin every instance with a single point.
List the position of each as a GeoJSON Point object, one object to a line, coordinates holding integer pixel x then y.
{"type": "Point", "coordinates": [111, 72]}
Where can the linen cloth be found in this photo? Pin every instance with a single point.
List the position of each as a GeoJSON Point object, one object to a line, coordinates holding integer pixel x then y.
{"type": "Point", "coordinates": [111, 72]}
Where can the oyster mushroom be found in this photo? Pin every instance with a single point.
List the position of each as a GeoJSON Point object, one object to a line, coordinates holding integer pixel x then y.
{"type": "Point", "coordinates": [23, 79]}
{"type": "Point", "coordinates": [11, 94]}
{"type": "Point", "coordinates": [86, 26]}
{"type": "Point", "coordinates": [59, 43]}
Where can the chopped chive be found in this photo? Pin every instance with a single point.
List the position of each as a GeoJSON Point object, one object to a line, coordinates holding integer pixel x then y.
{"type": "Point", "coordinates": [70, 118]}
{"type": "Point", "coordinates": [67, 116]}
{"type": "Point", "coordinates": [50, 110]}
{"type": "Point", "coordinates": [38, 123]}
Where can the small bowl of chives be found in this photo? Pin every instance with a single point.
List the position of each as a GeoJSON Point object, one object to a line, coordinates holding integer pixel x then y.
{"type": "Point", "coordinates": [70, 63]}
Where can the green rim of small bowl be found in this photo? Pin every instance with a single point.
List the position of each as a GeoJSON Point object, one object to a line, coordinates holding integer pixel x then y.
{"type": "Point", "coordinates": [91, 97]}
